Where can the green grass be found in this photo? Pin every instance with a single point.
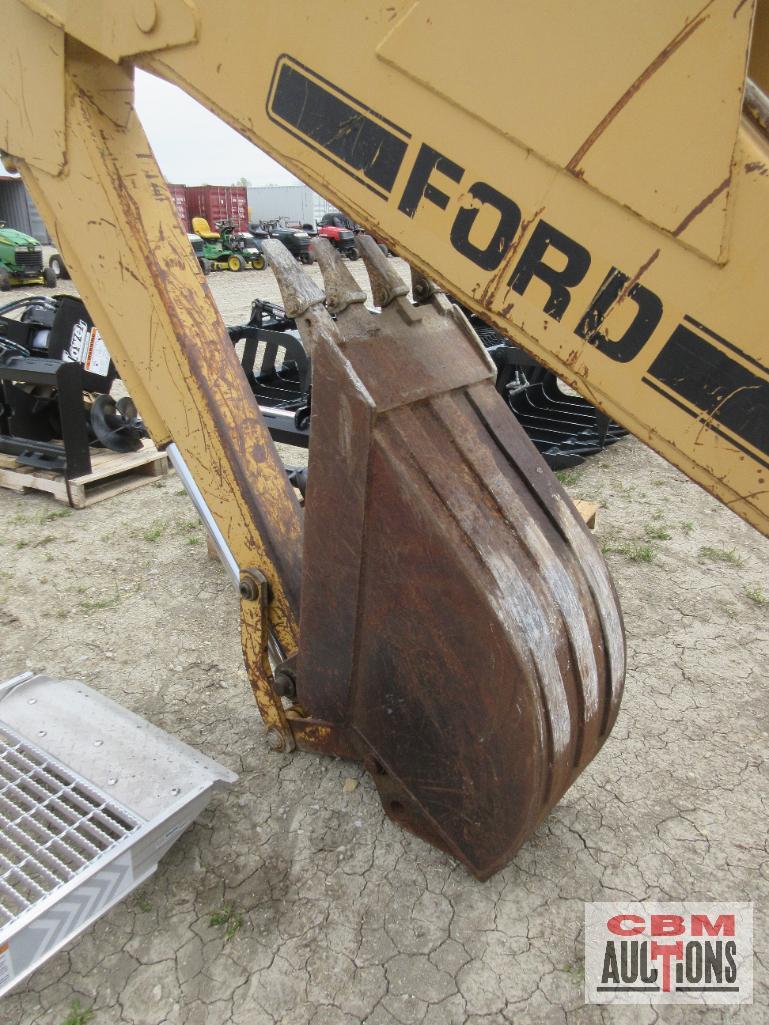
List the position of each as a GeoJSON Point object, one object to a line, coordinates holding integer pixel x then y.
{"type": "Point", "coordinates": [228, 919]}
{"type": "Point", "coordinates": [95, 604]}
{"type": "Point", "coordinates": [36, 543]}
{"type": "Point", "coordinates": [721, 555]}
{"type": "Point", "coordinates": [54, 514]}
{"type": "Point", "coordinates": [567, 477]}
{"type": "Point", "coordinates": [639, 553]}
{"type": "Point", "coordinates": [109, 601]}
{"type": "Point", "coordinates": [187, 526]}
{"type": "Point", "coordinates": [47, 517]}
{"type": "Point", "coordinates": [757, 596]}
{"type": "Point", "coordinates": [632, 551]}
{"type": "Point", "coordinates": [154, 531]}
{"type": "Point", "coordinates": [686, 526]}
{"type": "Point", "coordinates": [190, 530]}
{"type": "Point", "coordinates": [78, 1015]}
{"type": "Point", "coordinates": [576, 970]}
{"type": "Point", "coordinates": [655, 532]}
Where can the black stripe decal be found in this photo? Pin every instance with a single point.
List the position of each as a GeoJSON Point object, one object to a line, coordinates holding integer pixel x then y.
{"type": "Point", "coordinates": [721, 388]}
{"type": "Point", "coordinates": [354, 137]}
{"type": "Point", "coordinates": [728, 345]}
{"type": "Point", "coordinates": [711, 426]}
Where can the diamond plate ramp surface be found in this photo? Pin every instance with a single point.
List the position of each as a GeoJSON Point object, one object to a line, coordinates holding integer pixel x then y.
{"type": "Point", "coordinates": [91, 797]}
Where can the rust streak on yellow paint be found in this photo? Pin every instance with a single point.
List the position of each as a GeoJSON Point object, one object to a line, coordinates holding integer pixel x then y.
{"type": "Point", "coordinates": [678, 40]}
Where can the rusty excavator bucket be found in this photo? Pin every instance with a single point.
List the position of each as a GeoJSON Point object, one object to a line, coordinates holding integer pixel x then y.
{"type": "Point", "coordinates": [459, 632]}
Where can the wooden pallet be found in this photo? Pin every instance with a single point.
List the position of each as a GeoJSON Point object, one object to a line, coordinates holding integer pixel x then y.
{"type": "Point", "coordinates": [112, 473]}
{"type": "Point", "coordinates": [588, 511]}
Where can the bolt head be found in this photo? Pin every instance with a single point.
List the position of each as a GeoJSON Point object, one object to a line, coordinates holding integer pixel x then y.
{"type": "Point", "coordinates": [275, 740]}
{"type": "Point", "coordinates": [285, 684]}
{"type": "Point", "coordinates": [145, 14]}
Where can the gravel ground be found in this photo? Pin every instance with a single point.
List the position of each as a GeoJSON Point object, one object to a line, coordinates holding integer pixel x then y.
{"type": "Point", "coordinates": [328, 913]}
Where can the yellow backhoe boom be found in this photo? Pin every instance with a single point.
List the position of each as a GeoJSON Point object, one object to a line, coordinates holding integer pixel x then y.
{"type": "Point", "coordinates": [591, 178]}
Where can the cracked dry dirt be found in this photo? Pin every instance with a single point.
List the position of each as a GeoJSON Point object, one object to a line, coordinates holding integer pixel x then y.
{"type": "Point", "coordinates": [328, 914]}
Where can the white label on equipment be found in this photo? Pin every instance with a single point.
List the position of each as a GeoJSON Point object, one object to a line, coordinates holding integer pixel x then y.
{"type": "Point", "coordinates": [5, 965]}
{"type": "Point", "coordinates": [78, 344]}
{"type": "Point", "coordinates": [88, 348]}
{"type": "Point", "coordinates": [97, 357]}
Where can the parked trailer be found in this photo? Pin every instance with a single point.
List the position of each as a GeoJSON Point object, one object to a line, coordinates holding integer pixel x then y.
{"type": "Point", "coordinates": [293, 204]}
{"type": "Point", "coordinates": [219, 203]}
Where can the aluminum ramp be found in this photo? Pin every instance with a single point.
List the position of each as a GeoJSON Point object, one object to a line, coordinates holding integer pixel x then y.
{"type": "Point", "coordinates": [91, 797]}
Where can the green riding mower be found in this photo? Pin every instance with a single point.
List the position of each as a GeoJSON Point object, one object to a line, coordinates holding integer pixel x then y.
{"type": "Point", "coordinates": [243, 244]}
{"type": "Point", "coordinates": [225, 249]}
{"type": "Point", "coordinates": [21, 261]}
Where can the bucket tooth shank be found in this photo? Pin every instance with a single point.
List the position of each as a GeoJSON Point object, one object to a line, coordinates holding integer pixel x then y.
{"type": "Point", "coordinates": [386, 283]}
{"type": "Point", "coordinates": [341, 287]}
{"type": "Point", "coordinates": [459, 630]}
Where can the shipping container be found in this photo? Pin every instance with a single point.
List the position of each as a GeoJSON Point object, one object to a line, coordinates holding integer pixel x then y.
{"type": "Point", "coordinates": [292, 204]}
{"type": "Point", "coordinates": [218, 203]}
{"type": "Point", "coordinates": [179, 196]}
{"type": "Point", "coordinates": [18, 211]}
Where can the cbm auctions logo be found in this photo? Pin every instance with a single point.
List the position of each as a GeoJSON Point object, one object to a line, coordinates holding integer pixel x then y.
{"type": "Point", "coordinates": [671, 953]}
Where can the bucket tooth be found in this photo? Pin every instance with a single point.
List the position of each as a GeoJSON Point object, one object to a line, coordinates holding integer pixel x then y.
{"type": "Point", "coordinates": [342, 290]}
{"type": "Point", "coordinates": [298, 290]}
{"type": "Point", "coordinates": [386, 283]}
{"type": "Point", "coordinates": [302, 299]}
